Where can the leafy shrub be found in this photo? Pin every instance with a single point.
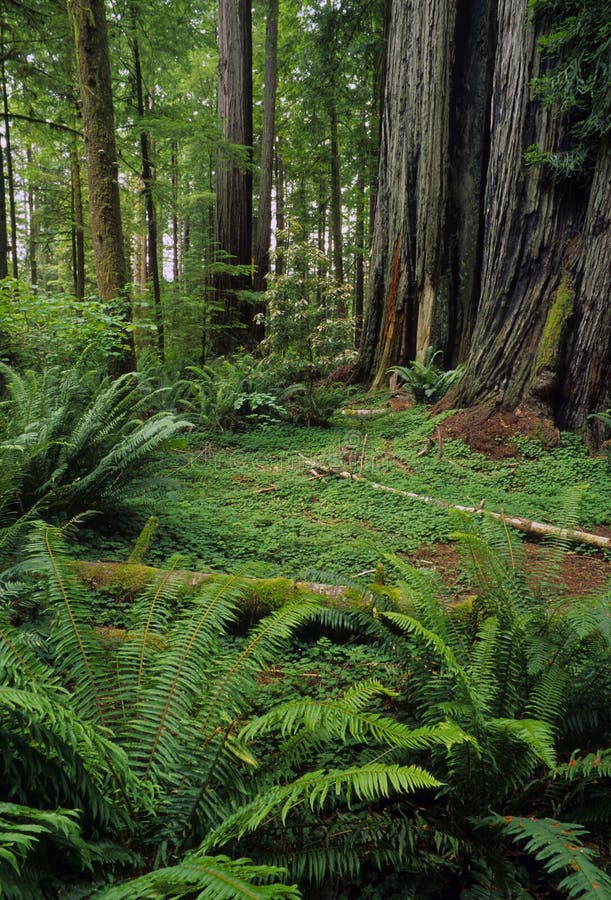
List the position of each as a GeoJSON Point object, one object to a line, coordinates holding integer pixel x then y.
{"type": "Point", "coordinates": [311, 404]}
{"type": "Point", "coordinates": [307, 310]}
{"type": "Point", "coordinates": [41, 329]}
{"type": "Point", "coordinates": [228, 394]}
{"type": "Point", "coordinates": [426, 382]}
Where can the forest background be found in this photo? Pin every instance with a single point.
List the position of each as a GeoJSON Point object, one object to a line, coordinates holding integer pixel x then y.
{"type": "Point", "coordinates": [253, 259]}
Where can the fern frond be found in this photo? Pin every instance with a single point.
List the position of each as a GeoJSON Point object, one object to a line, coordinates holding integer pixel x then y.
{"type": "Point", "coordinates": [342, 718]}
{"type": "Point", "coordinates": [558, 846]}
{"type": "Point", "coordinates": [213, 877]}
{"type": "Point", "coordinates": [369, 782]}
{"type": "Point", "coordinates": [536, 735]}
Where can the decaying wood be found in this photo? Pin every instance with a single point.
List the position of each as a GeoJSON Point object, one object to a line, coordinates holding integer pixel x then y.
{"type": "Point", "coordinates": [540, 529]}
{"type": "Point", "coordinates": [260, 594]}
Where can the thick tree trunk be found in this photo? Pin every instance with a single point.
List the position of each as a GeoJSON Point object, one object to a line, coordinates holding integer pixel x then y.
{"type": "Point", "coordinates": [234, 319]}
{"type": "Point", "coordinates": [586, 385]}
{"type": "Point", "coordinates": [426, 245]}
{"type": "Point", "coordinates": [264, 218]}
{"type": "Point", "coordinates": [530, 233]}
{"type": "Point", "coordinates": [473, 252]}
{"type": "Point", "coordinates": [409, 278]}
{"type": "Point", "coordinates": [93, 69]}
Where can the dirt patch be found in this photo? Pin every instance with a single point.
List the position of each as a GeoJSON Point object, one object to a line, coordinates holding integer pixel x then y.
{"type": "Point", "coordinates": [494, 432]}
{"type": "Point", "coordinates": [578, 575]}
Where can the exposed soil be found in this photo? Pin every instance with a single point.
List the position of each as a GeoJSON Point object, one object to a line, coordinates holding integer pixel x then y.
{"type": "Point", "coordinates": [493, 432]}
{"type": "Point", "coordinates": [579, 575]}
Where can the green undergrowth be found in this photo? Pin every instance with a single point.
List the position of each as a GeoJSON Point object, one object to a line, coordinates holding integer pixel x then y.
{"type": "Point", "coordinates": [248, 502]}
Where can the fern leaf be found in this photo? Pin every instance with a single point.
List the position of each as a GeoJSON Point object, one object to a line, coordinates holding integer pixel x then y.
{"type": "Point", "coordinates": [559, 847]}
{"type": "Point", "coordinates": [213, 877]}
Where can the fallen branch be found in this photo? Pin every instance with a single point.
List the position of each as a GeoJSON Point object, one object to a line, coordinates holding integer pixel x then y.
{"type": "Point", "coordinates": [540, 529]}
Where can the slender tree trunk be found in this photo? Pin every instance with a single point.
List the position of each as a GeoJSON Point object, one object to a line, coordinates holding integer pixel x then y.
{"type": "Point", "coordinates": [78, 222]}
{"type": "Point", "coordinates": [9, 162]}
{"type": "Point", "coordinates": [359, 261]}
{"type": "Point", "coordinates": [32, 222]}
{"type": "Point", "coordinates": [280, 219]}
{"type": "Point", "coordinates": [148, 178]}
{"type": "Point", "coordinates": [93, 70]}
{"type": "Point", "coordinates": [234, 320]}
{"type": "Point", "coordinates": [3, 228]}
{"type": "Point", "coordinates": [264, 219]}
{"type": "Point", "coordinates": [175, 230]}
{"type": "Point", "coordinates": [336, 198]}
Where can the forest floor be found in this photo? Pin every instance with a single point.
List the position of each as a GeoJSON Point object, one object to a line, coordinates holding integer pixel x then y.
{"type": "Point", "coordinates": [248, 501]}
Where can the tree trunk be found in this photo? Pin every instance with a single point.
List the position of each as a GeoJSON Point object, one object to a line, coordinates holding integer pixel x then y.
{"type": "Point", "coordinates": [473, 252]}
{"type": "Point", "coordinates": [526, 292]}
{"type": "Point", "coordinates": [264, 219]}
{"type": "Point", "coordinates": [175, 230]}
{"type": "Point", "coordinates": [152, 268]}
{"type": "Point", "coordinates": [78, 223]}
{"type": "Point", "coordinates": [3, 228]}
{"type": "Point", "coordinates": [234, 319]}
{"type": "Point", "coordinates": [586, 386]}
{"type": "Point", "coordinates": [359, 261]}
{"type": "Point", "coordinates": [280, 220]}
{"type": "Point", "coordinates": [93, 69]}
{"type": "Point", "coordinates": [9, 164]}
{"type": "Point", "coordinates": [409, 278]}
{"type": "Point", "coordinates": [336, 200]}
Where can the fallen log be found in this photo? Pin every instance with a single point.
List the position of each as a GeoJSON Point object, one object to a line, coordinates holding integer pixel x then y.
{"type": "Point", "coordinates": [528, 526]}
{"type": "Point", "coordinates": [261, 595]}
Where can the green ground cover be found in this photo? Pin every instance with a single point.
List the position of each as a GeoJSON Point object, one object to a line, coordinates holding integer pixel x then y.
{"type": "Point", "coordinates": [246, 501]}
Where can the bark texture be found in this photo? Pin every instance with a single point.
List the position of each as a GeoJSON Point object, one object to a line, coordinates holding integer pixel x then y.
{"type": "Point", "coordinates": [474, 253]}
{"type": "Point", "coordinates": [93, 71]}
{"type": "Point", "coordinates": [234, 320]}
{"type": "Point", "coordinates": [409, 290]}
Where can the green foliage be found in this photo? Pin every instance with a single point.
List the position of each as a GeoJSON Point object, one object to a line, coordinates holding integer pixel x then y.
{"type": "Point", "coordinates": [576, 41]}
{"type": "Point", "coordinates": [306, 307]}
{"type": "Point", "coordinates": [44, 329]}
{"type": "Point", "coordinates": [214, 877]}
{"type": "Point", "coordinates": [228, 393]}
{"type": "Point", "coordinates": [147, 725]}
{"type": "Point", "coordinates": [72, 440]}
{"type": "Point", "coordinates": [424, 380]}
{"type": "Point", "coordinates": [559, 846]}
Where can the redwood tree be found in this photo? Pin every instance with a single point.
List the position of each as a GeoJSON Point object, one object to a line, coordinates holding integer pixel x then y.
{"type": "Point", "coordinates": [474, 252]}
{"type": "Point", "coordinates": [234, 319]}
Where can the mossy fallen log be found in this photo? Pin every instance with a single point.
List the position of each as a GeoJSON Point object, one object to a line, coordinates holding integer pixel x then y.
{"type": "Point", "coordinates": [259, 596]}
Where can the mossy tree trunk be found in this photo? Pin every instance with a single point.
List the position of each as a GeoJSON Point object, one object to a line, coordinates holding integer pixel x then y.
{"type": "Point", "coordinates": [93, 72]}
